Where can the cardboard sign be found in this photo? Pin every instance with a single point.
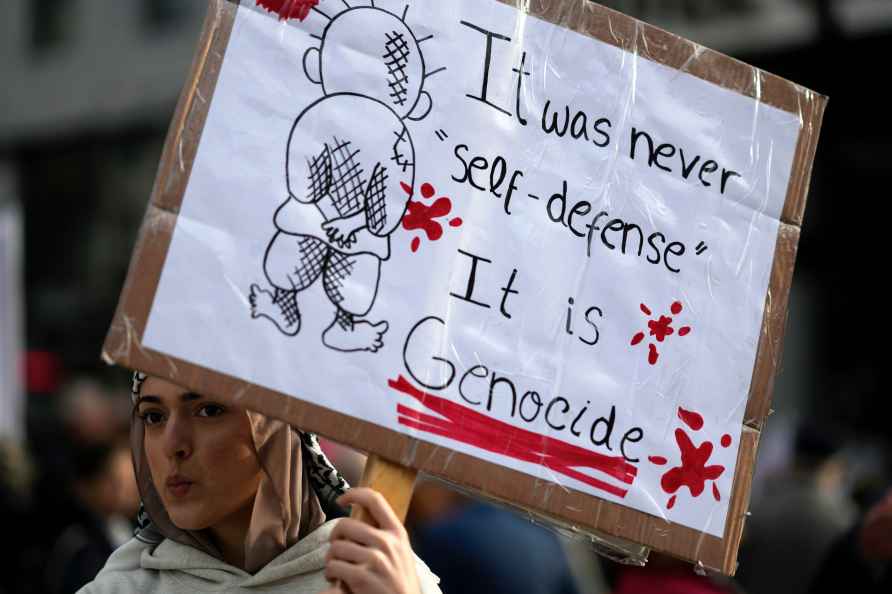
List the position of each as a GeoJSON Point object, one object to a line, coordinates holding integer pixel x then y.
{"type": "Point", "coordinates": [543, 255]}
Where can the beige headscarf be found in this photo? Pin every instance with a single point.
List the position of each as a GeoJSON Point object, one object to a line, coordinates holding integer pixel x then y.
{"type": "Point", "coordinates": [286, 508]}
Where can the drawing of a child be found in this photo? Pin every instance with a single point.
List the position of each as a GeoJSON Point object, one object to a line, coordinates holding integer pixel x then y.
{"type": "Point", "coordinates": [350, 173]}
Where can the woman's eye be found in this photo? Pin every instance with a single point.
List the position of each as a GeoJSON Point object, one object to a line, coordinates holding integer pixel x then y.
{"type": "Point", "coordinates": [152, 417]}
{"type": "Point", "coordinates": [210, 410]}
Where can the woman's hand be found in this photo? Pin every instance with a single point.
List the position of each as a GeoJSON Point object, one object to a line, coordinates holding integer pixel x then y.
{"type": "Point", "coordinates": [371, 559]}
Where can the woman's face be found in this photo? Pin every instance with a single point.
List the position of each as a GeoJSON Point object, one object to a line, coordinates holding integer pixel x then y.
{"type": "Point", "coordinates": [201, 455]}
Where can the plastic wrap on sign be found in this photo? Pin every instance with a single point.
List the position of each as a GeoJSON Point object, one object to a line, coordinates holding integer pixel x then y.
{"type": "Point", "coordinates": [540, 250]}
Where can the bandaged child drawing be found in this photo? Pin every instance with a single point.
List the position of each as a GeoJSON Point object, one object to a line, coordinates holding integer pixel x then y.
{"type": "Point", "coordinates": [350, 173]}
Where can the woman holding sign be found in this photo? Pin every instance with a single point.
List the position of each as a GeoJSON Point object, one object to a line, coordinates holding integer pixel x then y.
{"type": "Point", "coordinates": [234, 500]}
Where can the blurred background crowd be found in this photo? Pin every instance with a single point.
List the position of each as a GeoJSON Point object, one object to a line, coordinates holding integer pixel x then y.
{"type": "Point", "coordinates": [88, 89]}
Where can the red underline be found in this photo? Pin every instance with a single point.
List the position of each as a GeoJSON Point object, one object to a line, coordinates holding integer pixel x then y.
{"type": "Point", "coordinates": [473, 428]}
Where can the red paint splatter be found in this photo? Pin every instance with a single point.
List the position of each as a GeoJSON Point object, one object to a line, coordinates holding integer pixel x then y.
{"type": "Point", "coordinates": [422, 216]}
{"type": "Point", "coordinates": [693, 472]}
{"type": "Point", "coordinates": [653, 355]}
{"type": "Point", "coordinates": [661, 328]}
{"type": "Point", "coordinates": [691, 419]}
{"type": "Point", "coordinates": [407, 188]}
{"type": "Point", "coordinates": [466, 425]}
{"type": "Point", "coordinates": [289, 9]}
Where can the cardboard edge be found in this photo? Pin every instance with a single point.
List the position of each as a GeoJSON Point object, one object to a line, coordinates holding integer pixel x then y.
{"type": "Point", "coordinates": [770, 348]}
{"type": "Point", "coordinates": [811, 118]}
{"type": "Point", "coordinates": [774, 319]}
{"type": "Point", "coordinates": [738, 508]}
{"type": "Point", "coordinates": [174, 170]}
{"type": "Point", "coordinates": [184, 133]}
{"type": "Point", "coordinates": [671, 50]}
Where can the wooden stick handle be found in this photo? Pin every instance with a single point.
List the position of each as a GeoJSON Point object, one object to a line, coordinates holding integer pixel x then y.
{"type": "Point", "coordinates": [393, 481]}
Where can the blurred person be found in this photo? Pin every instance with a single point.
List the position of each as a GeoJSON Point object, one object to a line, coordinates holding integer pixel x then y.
{"type": "Point", "coordinates": [875, 533]}
{"type": "Point", "coordinates": [862, 559]}
{"type": "Point", "coordinates": [665, 575]}
{"type": "Point", "coordinates": [18, 549]}
{"type": "Point", "coordinates": [480, 548]}
{"type": "Point", "coordinates": [103, 490]}
{"type": "Point", "coordinates": [587, 562]}
{"type": "Point", "coordinates": [89, 413]}
{"type": "Point", "coordinates": [48, 446]}
{"type": "Point", "coordinates": [801, 513]}
{"type": "Point", "coordinates": [65, 420]}
{"type": "Point", "coordinates": [234, 500]}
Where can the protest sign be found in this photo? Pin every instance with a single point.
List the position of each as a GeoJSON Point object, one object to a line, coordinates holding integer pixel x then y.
{"type": "Point", "coordinates": [542, 251]}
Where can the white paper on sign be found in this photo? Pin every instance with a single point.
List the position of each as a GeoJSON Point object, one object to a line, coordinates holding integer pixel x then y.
{"type": "Point", "coordinates": [467, 213]}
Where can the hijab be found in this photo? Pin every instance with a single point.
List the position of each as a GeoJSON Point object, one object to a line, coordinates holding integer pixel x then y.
{"type": "Point", "coordinates": [297, 481]}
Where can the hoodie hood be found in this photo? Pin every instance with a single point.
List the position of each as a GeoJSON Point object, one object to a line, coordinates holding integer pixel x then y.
{"type": "Point", "coordinates": [197, 570]}
{"type": "Point", "coordinates": [173, 568]}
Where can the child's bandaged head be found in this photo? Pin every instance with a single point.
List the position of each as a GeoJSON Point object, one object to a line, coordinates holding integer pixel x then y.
{"type": "Point", "coordinates": [371, 52]}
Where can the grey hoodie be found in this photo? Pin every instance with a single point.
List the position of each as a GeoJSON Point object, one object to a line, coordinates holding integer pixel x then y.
{"type": "Point", "coordinates": [172, 568]}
